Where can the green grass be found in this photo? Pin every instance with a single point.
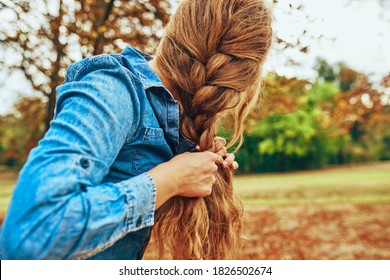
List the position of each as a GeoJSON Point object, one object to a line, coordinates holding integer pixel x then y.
{"type": "Point", "coordinates": [363, 183]}
{"type": "Point", "coordinates": [326, 200]}
{"type": "Point", "coordinates": [7, 181]}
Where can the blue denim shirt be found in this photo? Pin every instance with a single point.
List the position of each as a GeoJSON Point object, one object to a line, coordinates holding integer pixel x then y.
{"type": "Point", "coordinates": [85, 191]}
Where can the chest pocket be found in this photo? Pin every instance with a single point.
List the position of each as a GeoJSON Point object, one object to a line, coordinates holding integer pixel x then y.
{"type": "Point", "coordinates": [152, 150]}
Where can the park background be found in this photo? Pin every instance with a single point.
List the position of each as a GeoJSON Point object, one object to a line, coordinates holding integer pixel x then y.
{"type": "Point", "coordinates": [314, 170]}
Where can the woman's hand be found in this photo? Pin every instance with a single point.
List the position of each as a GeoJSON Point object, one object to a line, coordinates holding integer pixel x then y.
{"type": "Point", "coordinates": [191, 174]}
{"type": "Point", "coordinates": [187, 174]}
{"type": "Point", "coordinates": [220, 149]}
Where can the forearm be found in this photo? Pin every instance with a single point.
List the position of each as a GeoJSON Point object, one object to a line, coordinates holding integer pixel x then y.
{"type": "Point", "coordinates": [71, 218]}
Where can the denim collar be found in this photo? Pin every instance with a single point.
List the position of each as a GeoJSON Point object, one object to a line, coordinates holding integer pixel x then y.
{"type": "Point", "coordinates": [147, 75]}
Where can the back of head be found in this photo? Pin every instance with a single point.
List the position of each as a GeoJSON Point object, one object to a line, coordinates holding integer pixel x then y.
{"type": "Point", "coordinates": [213, 53]}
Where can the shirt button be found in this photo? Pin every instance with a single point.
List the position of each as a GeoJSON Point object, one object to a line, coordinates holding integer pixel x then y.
{"type": "Point", "coordinates": [139, 222]}
{"type": "Point", "coordinates": [84, 163]}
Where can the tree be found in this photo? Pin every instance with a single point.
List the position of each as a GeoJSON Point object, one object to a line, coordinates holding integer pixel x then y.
{"type": "Point", "coordinates": [300, 125]}
{"type": "Point", "coordinates": [298, 41]}
{"type": "Point", "coordinates": [325, 71]}
{"type": "Point", "coordinates": [280, 95]}
{"type": "Point", "coordinates": [21, 131]}
{"type": "Point", "coordinates": [45, 37]}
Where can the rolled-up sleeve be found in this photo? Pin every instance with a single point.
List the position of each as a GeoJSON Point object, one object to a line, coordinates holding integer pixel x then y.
{"type": "Point", "coordinates": [60, 208]}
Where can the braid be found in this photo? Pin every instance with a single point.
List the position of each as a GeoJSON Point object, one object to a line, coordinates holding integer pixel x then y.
{"type": "Point", "coordinates": [213, 51]}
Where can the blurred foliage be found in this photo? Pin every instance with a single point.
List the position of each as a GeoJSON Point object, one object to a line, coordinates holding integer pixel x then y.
{"type": "Point", "coordinates": [340, 118]}
{"type": "Point", "coordinates": [44, 37]}
{"type": "Point", "coordinates": [298, 124]}
{"type": "Point", "coordinates": [41, 38]}
{"type": "Point", "coordinates": [20, 132]}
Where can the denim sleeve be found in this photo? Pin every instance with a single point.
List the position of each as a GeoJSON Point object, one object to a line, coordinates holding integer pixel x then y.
{"type": "Point", "coordinates": [60, 209]}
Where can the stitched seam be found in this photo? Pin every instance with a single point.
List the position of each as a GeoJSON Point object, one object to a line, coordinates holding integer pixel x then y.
{"type": "Point", "coordinates": [131, 134]}
{"type": "Point", "coordinates": [88, 62]}
{"type": "Point", "coordinates": [144, 136]}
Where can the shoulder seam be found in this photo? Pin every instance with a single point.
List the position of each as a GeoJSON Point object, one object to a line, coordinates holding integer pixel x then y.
{"type": "Point", "coordinates": [88, 61]}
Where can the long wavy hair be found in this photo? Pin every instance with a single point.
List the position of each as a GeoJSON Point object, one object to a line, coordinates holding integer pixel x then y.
{"type": "Point", "coordinates": [213, 53]}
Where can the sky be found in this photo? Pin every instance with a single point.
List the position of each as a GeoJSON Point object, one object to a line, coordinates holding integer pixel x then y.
{"type": "Point", "coordinates": [361, 36]}
{"type": "Point", "coordinates": [360, 32]}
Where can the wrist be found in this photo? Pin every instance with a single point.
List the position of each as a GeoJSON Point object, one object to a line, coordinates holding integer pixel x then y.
{"type": "Point", "coordinates": [166, 186]}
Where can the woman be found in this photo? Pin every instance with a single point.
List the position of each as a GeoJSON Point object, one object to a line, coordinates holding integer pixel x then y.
{"type": "Point", "coordinates": [119, 146]}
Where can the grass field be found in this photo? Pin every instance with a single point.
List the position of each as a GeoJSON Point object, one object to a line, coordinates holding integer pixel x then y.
{"type": "Point", "coordinates": [355, 184]}
{"type": "Point", "coordinates": [7, 182]}
{"type": "Point", "coordinates": [335, 213]}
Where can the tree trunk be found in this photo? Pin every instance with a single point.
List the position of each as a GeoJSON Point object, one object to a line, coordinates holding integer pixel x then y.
{"type": "Point", "coordinates": [51, 103]}
{"type": "Point", "coordinates": [100, 40]}
{"type": "Point", "coordinates": [55, 79]}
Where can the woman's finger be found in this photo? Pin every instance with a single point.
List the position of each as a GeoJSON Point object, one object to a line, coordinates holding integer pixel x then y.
{"type": "Point", "coordinates": [229, 160]}
{"type": "Point", "coordinates": [222, 152]}
{"type": "Point", "coordinates": [214, 157]}
{"type": "Point", "coordinates": [234, 165]}
{"type": "Point", "coordinates": [219, 143]}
